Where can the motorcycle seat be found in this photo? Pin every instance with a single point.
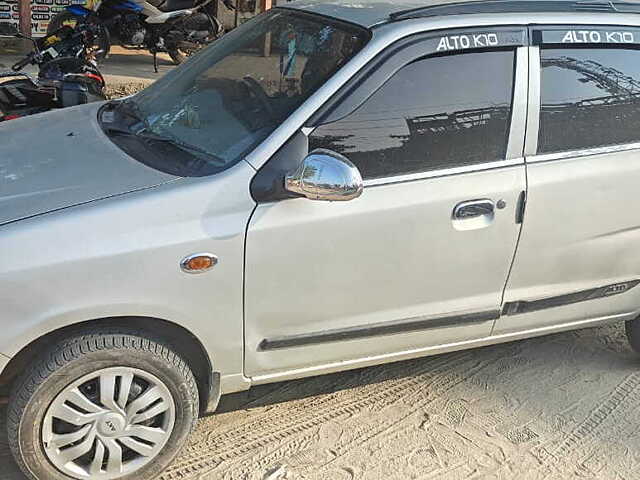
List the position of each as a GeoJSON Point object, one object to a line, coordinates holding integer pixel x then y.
{"type": "Point", "coordinates": [173, 5]}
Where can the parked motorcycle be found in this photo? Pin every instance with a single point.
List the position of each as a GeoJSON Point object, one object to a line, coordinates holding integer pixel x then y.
{"type": "Point", "coordinates": [178, 27]}
{"type": "Point", "coordinates": [67, 75]}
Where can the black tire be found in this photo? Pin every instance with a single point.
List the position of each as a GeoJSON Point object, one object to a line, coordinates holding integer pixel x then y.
{"type": "Point", "coordinates": [102, 37]}
{"type": "Point", "coordinates": [632, 329]}
{"type": "Point", "coordinates": [216, 30]}
{"type": "Point", "coordinates": [82, 355]}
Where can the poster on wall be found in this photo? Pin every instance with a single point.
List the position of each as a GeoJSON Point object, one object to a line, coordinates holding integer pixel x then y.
{"type": "Point", "coordinates": [41, 13]}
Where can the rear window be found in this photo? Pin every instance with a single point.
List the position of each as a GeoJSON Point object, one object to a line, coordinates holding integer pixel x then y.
{"type": "Point", "coordinates": [590, 97]}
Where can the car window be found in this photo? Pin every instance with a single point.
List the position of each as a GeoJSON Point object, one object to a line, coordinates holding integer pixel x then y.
{"type": "Point", "coordinates": [213, 110]}
{"type": "Point", "coordinates": [438, 112]}
{"type": "Point", "coordinates": [589, 98]}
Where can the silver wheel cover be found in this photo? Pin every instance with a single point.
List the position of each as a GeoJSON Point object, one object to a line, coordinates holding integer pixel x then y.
{"type": "Point", "coordinates": [108, 424]}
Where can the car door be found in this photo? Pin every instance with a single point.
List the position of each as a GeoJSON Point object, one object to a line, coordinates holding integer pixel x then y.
{"type": "Point", "coordinates": [422, 257]}
{"type": "Point", "coordinates": [578, 260]}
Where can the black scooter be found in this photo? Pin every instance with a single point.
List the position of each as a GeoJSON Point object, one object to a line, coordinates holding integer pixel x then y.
{"type": "Point", "coordinates": [67, 75]}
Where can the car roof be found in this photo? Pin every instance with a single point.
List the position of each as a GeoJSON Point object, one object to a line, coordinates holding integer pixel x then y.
{"type": "Point", "coordinates": [369, 13]}
{"type": "Point", "coordinates": [363, 12]}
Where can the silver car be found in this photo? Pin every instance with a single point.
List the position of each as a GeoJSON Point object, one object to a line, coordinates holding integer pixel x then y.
{"type": "Point", "coordinates": [330, 186]}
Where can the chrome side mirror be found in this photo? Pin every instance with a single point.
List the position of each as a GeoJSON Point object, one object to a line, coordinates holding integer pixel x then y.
{"type": "Point", "coordinates": [325, 175]}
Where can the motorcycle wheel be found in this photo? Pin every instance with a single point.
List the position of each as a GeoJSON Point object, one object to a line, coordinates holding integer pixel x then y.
{"type": "Point", "coordinates": [185, 49]}
{"type": "Point", "coordinates": [102, 40]}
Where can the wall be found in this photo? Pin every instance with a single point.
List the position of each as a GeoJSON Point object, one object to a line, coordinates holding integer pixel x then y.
{"type": "Point", "coordinates": [43, 10]}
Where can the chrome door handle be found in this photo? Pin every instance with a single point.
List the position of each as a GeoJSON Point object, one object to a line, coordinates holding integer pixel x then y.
{"type": "Point", "coordinates": [473, 209]}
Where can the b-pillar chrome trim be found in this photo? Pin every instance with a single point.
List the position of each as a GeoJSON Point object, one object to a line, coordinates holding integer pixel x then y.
{"type": "Point", "coordinates": [533, 109]}
{"type": "Point", "coordinates": [515, 145]}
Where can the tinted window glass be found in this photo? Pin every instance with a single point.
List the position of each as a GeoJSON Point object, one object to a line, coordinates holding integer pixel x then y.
{"type": "Point", "coordinates": [435, 113]}
{"type": "Point", "coordinates": [589, 98]}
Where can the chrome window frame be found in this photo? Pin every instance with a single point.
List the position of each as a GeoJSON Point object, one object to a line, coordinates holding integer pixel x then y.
{"type": "Point", "coordinates": [515, 140]}
{"type": "Point", "coordinates": [533, 105]}
{"type": "Point", "coordinates": [388, 33]}
{"type": "Point", "coordinates": [586, 152]}
{"type": "Point", "coordinates": [444, 172]}
{"type": "Point", "coordinates": [519, 104]}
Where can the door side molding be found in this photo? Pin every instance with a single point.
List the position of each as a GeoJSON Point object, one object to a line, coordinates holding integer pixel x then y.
{"type": "Point", "coordinates": [377, 329]}
{"type": "Point", "coordinates": [526, 306]}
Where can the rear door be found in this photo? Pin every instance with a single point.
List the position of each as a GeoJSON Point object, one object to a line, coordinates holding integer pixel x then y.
{"type": "Point", "coordinates": [422, 257]}
{"type": "Point", "coordinates": [579, 253]}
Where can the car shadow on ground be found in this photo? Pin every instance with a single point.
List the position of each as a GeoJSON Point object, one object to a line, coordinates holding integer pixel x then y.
{"type": "Point", "coordinates": [599, 349]}
{"type": "Point", "coordinates": [259, 396]}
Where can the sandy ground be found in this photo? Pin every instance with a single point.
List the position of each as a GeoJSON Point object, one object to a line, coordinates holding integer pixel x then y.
{"type": "Point", "coordinates": [563, 406]}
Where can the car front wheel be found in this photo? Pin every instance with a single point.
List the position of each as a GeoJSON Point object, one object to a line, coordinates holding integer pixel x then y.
{"type": "Point", "coordinates": [102, 405]}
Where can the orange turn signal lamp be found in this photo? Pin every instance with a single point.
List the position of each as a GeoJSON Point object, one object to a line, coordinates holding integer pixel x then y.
{"type": "Point", "coordinates": [198, 263]}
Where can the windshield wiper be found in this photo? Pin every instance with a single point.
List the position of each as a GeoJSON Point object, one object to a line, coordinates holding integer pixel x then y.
{"type": "Point", "coordinates": [148, 135]}
{"type": "Point", "coordinates": [113, 118]}
{"type": "Point", "coordinates": [131, 109]}
{"type": "Point", "coordinates": [118, 130]}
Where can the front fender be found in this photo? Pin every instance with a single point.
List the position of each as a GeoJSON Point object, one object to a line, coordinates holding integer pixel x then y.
{"type": "Point", "coordinates": [74, 314]}
{"type": "Point", "coordinates": [4, 361]}
{"type": "Point", "coordinates": [78, 10]}
{"type": "Point", "coordinates": [120, 257]}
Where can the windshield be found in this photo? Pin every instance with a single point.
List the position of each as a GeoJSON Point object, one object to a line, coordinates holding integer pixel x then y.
{"type": "Point", "coordinates": [227, 99]}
